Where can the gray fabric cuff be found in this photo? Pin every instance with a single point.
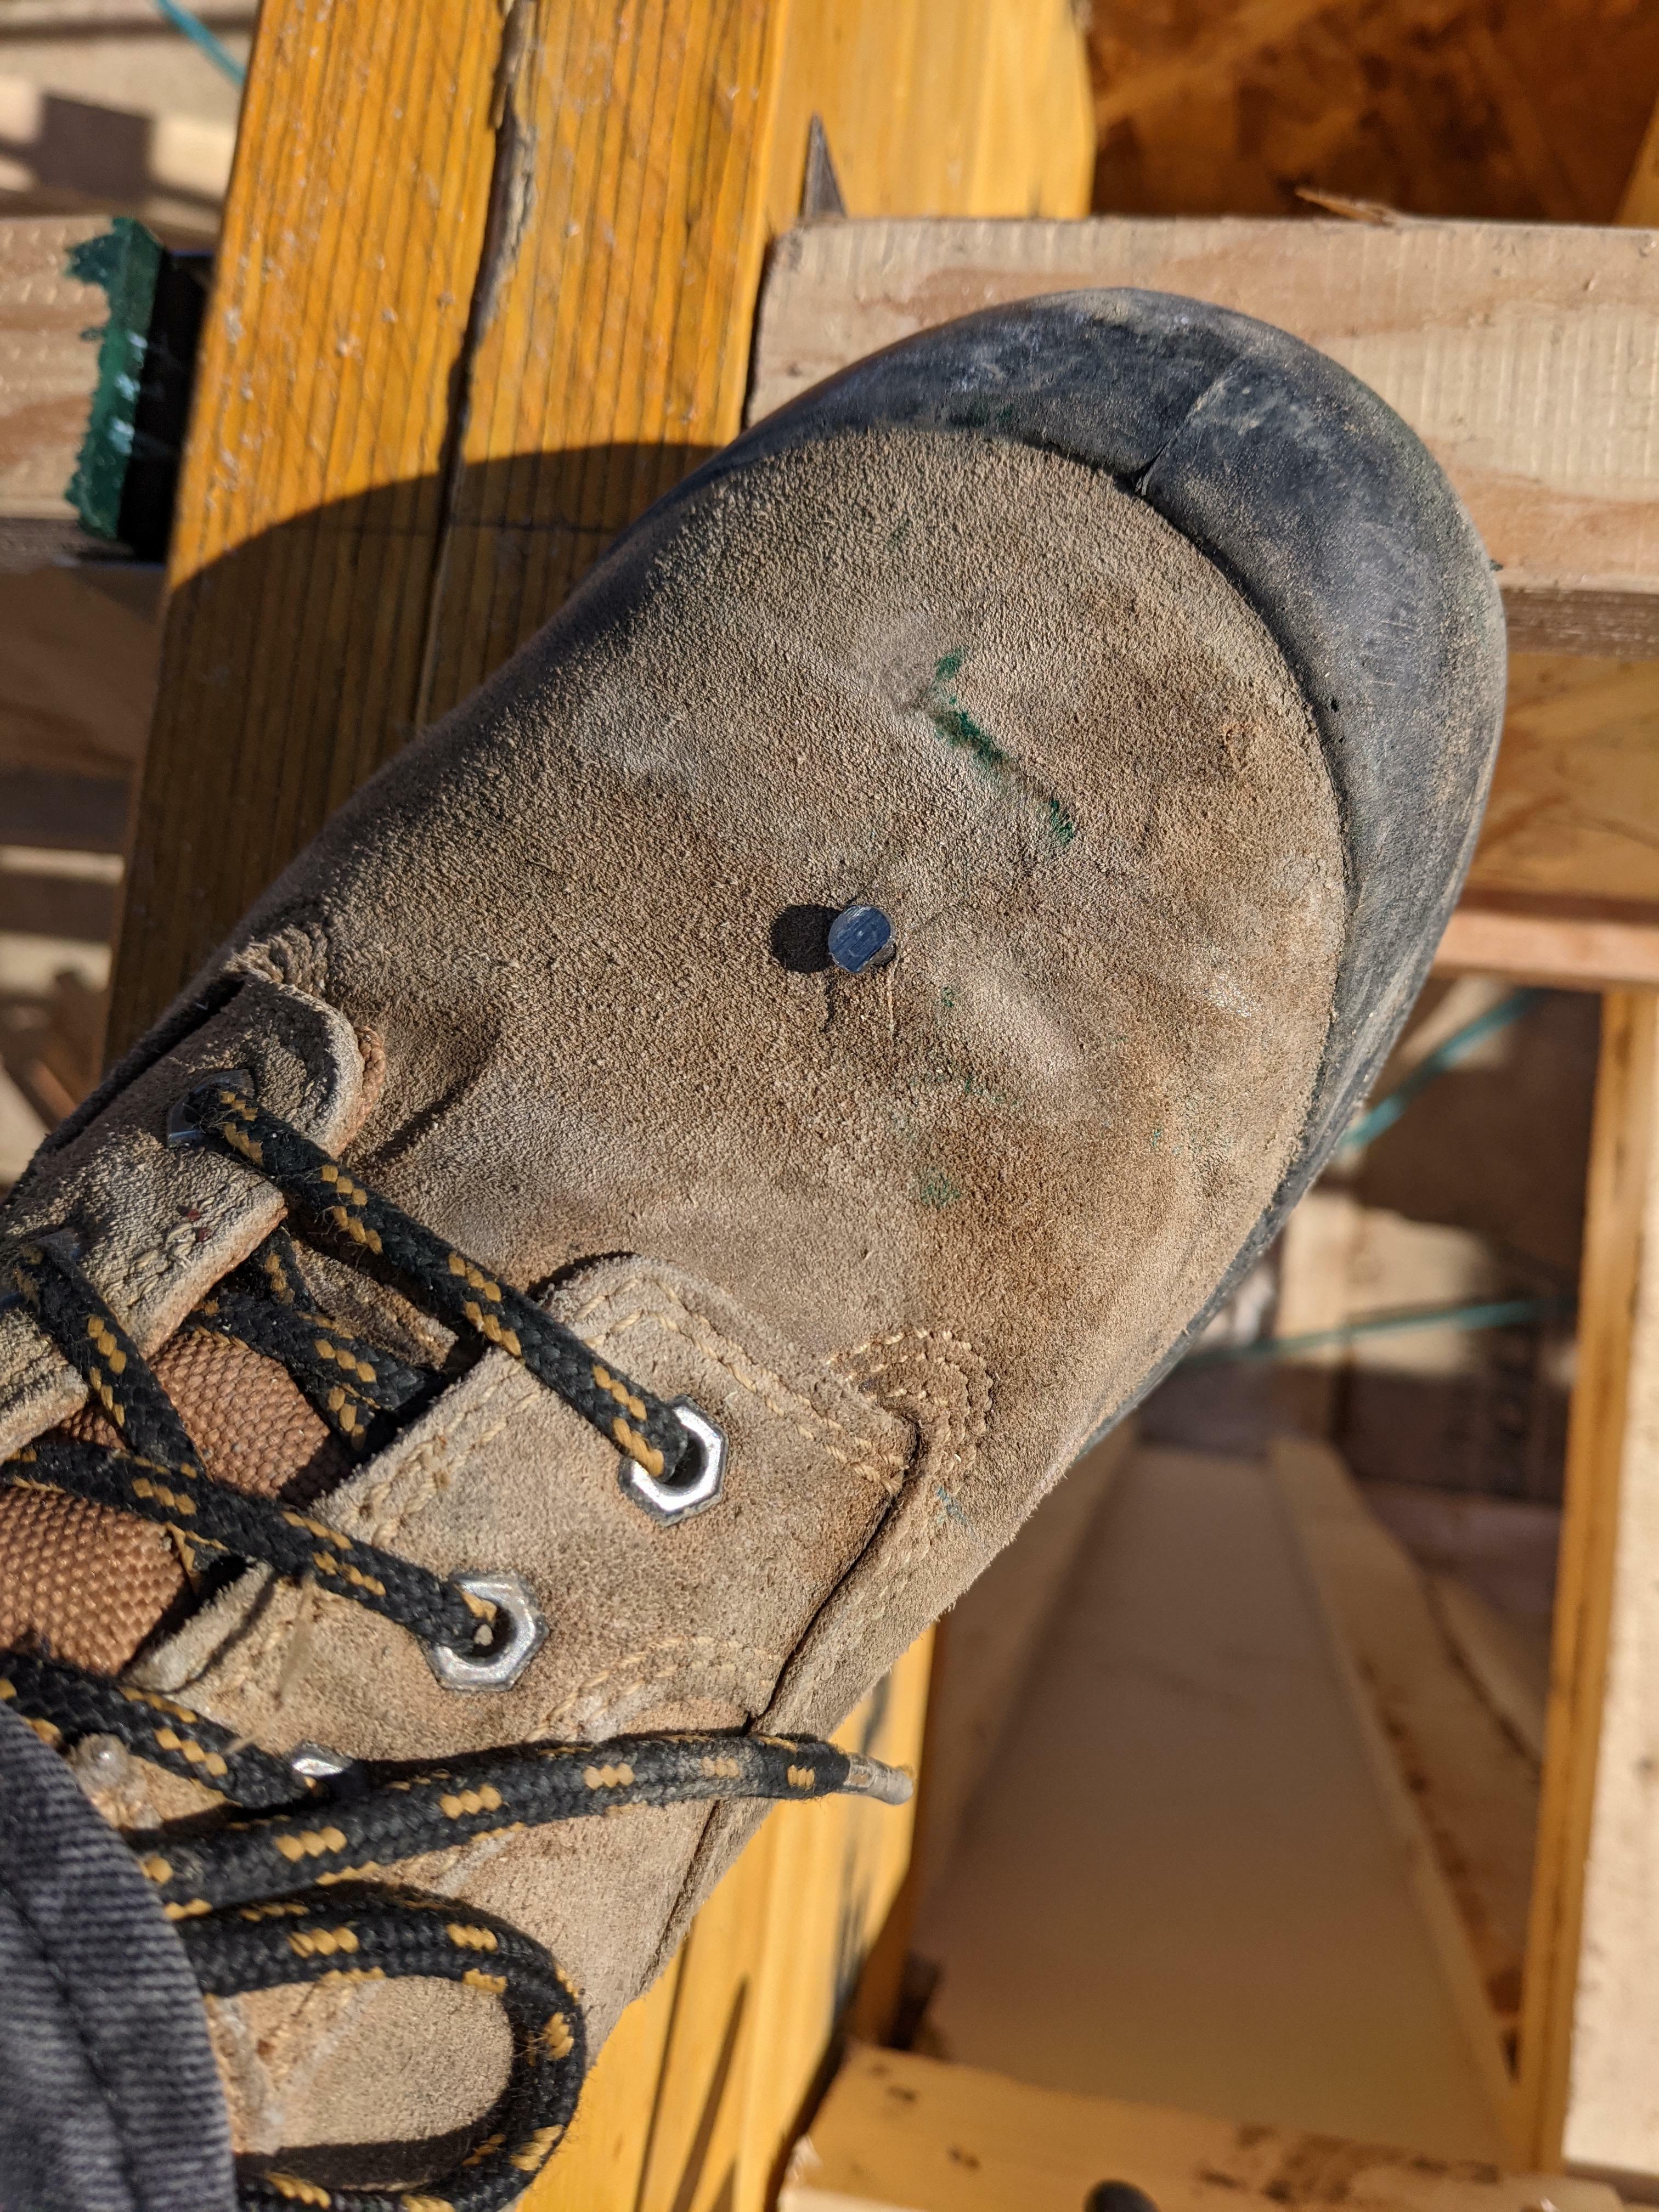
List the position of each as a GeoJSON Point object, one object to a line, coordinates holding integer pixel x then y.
{"type": "Point", "coordinates": [109, 2099]}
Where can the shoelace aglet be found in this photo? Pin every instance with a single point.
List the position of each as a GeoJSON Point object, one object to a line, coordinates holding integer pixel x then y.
{"type": "Point", "coordinates": [870, 1777]}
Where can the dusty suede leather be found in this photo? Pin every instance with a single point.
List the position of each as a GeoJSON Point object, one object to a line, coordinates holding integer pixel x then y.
{"type": "Point", "coordinates": [909, 1237]}
{"type": "Point", "coordinates": [160, 1227]}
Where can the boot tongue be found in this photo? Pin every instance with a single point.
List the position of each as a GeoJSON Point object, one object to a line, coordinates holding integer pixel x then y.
{"type": "Point", "coordinates": [83, 1583]}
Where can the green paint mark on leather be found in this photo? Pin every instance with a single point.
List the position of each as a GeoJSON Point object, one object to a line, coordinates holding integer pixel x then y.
{"type": "Point", "coordinates": [937, 1189]}
{"type": "Point", "coordinates": [959, 730]}
{"type": "Point", "coordinates": [952, 1075]}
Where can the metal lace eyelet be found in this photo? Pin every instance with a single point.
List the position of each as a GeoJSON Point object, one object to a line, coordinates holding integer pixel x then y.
{"type": "Point", "coordinates": [183, 1133]}
{"type": "Point", "coordinates": [499, 1667]}
{"type": "Point", "coordinates": [692, 1491]}
{"type": "Point", "coordinates": [314, 1762]}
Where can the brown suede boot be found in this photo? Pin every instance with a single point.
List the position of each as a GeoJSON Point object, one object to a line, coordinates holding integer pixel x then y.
{"type": "Point", "coordinates": [642, 1210]}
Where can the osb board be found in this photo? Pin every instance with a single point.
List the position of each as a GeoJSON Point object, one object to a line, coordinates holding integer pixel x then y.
{"type": "Point", "coordinates": [900, 2130]}
{"type": "Point", "coordinates": [1526, 356]}
{"type": "Point", "coordinates": [1469, 107]}
{"type": "Point", "coordinates": [698, 2093]}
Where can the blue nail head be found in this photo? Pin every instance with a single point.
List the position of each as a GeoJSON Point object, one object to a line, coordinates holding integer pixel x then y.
{"type": "Point", "coordinates": [858, 936]}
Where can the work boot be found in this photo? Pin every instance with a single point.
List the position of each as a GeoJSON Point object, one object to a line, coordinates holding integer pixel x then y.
{"type": "Point", "coordinates": [635, 1218]}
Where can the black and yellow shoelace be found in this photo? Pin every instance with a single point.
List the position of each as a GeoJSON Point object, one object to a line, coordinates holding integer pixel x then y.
{"type": "Point", "coordinates": [288, 1892]}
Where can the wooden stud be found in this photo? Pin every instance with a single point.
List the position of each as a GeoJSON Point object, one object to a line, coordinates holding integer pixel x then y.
{"type": "Point", "coordinates": [460, 340]}
{"type": "Point", "coordinates": [1462, 1796]}
{"type": "Point", "coordinates": [1601, 1592]}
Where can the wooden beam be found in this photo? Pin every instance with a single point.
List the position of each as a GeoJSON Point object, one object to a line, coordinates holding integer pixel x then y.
{"type": "Point", "coordinates": [1590, 2039]}
{"type": "Point", "coordinates": [1194, 1853]}
{"type": "Point", "coordinates": [1456, 1783]}
{"type": "Point", "coordinates": [77, 675]}
{"type": "Point", "coordinates": [1564, 950]}
{"type": "Point", "coordinates": [1528, 357]}
{"type": "Point", "coordinates": [48, 369]}
{"type": "Point", "coordinates": [902, 2131]}
{"type": "Point", "coordinates": [993, 1637]}
{"type": "Point", "coordinates": [461, 339]}
{"type": "Point", "coordinates": [1565, 887]}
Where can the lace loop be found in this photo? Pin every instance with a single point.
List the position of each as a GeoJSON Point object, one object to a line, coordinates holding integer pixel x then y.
{"type": "Point", "coordinates": [358, 1934]}
{"type": "Point", "coordinates": [275, 1896]}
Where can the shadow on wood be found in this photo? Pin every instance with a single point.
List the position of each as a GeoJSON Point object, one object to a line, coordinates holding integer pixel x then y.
{"type": "Point", "coordinates": [339, 622]}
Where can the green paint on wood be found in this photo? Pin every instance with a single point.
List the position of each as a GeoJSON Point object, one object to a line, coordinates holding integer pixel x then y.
{"type": "Point", "coordinates": [125, 260]}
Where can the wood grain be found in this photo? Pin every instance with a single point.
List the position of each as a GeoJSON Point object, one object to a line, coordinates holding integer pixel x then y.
{"type": "Point", "coordinates": [48, 360]}
{"type": "Point", "coordinates": [1453, 1774]}
{"type": "Point", "coordinates": [1617, 1273]}
{"type": "Point", "coordinates": [1575, 802]}
{"type": "Point", "coordinates": [699, 2091]}
{"type": "Point", "coordinates": [983, 108]}
{"type": "Point", "coordinates": [1640, 203]}
{"type": "Point", "coordinates": [461, 341]}
{"type": "Point", "coordinates": [1562, 951]}
{"type": "Point", "coordinates": [77, 675]}
{"type": "Point", "coordinates": [1192, 1877]}
{"type": "Point", "coordinates": [1565, 887]}
{"type": "Point", "coordinates": [994, 1636]}
{"type": "Point", "coordinates": [906, 2131]}
{"type": "Point", "coordinates": [1441, 107]}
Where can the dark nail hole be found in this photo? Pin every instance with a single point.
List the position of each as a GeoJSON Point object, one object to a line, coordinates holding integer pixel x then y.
{"type": "Point", "coordinates": [1117, 2197]}
{"type": "Point", "coordinates": [800, 938]}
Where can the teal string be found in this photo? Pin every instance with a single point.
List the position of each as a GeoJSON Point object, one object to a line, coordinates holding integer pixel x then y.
{"type": "Point", "coordinates": [1495, 1313]}
{"type": "Point", "coordinates": [198, 33]}
{"type": "Point", "coordinates": [1387, 1111]}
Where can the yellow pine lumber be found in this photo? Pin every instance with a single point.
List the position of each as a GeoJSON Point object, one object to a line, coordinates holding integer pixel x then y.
{"type": "Point", "coordinates": [914, 2133]}
{"type": "Point", "coordinates": [486, 288]}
